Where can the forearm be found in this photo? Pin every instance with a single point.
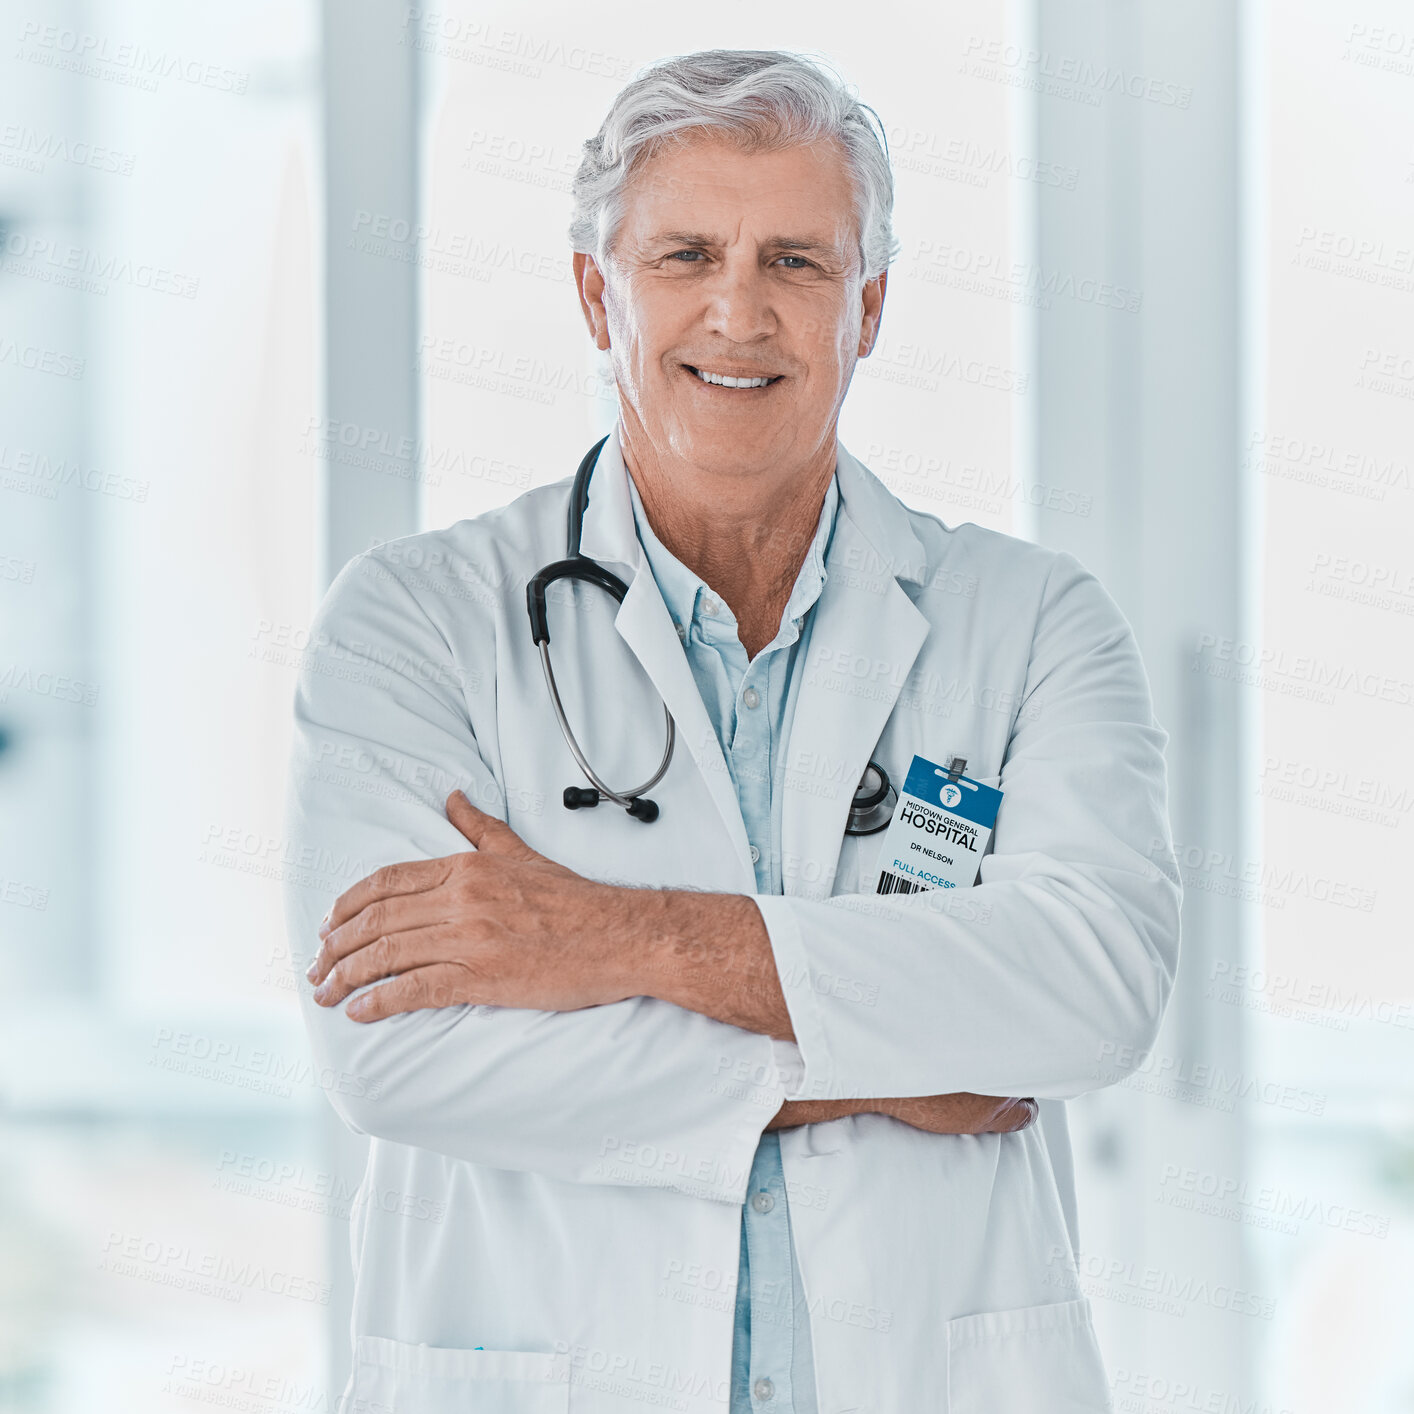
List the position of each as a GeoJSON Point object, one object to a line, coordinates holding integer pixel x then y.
{"type": "Point", "coordinates": [935, 1114]}
{"type": "Point", "coordinates": [796, 1112]}
{"type": "Point", "coordinates": [583, 1096]}
{"type": "Point", "coordinates": [708, 953]}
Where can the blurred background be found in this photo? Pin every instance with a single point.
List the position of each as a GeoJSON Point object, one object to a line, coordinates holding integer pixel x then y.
{"type": "Point", "coordinates": [280, 281]}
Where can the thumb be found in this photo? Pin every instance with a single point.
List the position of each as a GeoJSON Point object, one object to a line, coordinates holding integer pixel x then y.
{"type": "Point", "coordinates": [489, 834]}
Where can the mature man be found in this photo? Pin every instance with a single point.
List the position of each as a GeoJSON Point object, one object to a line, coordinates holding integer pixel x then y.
{"type": "Point", "coordinates": [705, 1120]}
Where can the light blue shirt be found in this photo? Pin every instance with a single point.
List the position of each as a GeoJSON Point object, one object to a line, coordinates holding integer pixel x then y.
{"type": "Point", "coordinates": [751, 705]}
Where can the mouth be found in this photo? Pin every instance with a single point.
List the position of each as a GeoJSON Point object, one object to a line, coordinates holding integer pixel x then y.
{"type": "Point", "coordinates": [733, 383]}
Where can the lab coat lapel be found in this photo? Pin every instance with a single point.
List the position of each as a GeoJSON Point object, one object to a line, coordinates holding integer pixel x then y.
{"type": "Point", "coordinates": [862, 616]}
{"type": "Point", "coordinates": [608, 534]}
{"type": "Point", "coordinates": [862, 613]}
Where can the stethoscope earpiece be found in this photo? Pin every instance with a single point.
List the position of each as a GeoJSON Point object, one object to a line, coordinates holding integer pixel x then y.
{"type": "Point", "coordinates": [583, 797]}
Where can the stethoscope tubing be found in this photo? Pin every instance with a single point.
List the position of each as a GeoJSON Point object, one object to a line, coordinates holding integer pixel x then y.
{"type": "Point", "coordinates": [578, 566]}
{"type": "Point", "coordinates": [624, 798]}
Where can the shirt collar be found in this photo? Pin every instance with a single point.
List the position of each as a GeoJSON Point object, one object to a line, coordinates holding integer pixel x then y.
{"type": "Point", "coordinates": [683, 590]}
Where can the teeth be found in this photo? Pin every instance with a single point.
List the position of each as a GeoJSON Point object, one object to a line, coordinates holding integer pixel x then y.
{"type": "Point", "coordinates": [723, 381]}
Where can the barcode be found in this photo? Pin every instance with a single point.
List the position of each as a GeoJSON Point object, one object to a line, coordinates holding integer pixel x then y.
{"type": "Point", "coordinates": [896, 884]}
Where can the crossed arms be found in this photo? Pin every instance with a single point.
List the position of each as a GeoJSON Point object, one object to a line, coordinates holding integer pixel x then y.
{"type": "Point", "coordinates": [506, 926]}
{"type": "Point", "coordinates": [684, 1026]}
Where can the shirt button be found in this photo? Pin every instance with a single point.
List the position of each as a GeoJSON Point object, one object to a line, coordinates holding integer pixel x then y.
{"type": "Point", "coordinates": [755, 854]}
{"type": "Point", "coordinates": [764, 1388]}
{"type": "Point", "coordinates": [709, 606]}
{"type": "Point", "coordinates": [763, 1203]}
{"type": "Point", "coordinates": [751, 697]}
{"type": "Point", "coordinates": [682, 632]}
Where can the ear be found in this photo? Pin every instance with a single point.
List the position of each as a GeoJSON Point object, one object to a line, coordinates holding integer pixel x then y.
{"type": "Point", "coordinates": [589, 282]}
{"type": "Point", "coordinates": [872, 298]}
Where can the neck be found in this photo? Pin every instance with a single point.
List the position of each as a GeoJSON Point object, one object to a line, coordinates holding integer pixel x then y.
{"type": "Point", "coordinates": [745, 536]}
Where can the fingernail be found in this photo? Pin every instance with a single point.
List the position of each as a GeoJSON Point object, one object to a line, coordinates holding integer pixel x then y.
{"type": "Point", "coordinates": [312, 970]}
{"type": "Point", "coordinates": [321, 991]}
{"type": "Point", "coordinates": [324, 927]}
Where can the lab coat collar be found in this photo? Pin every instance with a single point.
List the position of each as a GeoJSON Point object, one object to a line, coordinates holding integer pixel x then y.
{"type": "Point", "coordinates": [862, 616]}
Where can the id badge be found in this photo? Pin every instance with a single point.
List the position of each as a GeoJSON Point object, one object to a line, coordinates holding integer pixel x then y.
{"type": "Point", "coordinates": [939, 831]}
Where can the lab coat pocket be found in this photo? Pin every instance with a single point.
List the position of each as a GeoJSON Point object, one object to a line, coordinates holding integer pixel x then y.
{"type": "Point", "coordinates": [1032, 1360]}
{"type": "Point", "coordinates": [394, 1377]}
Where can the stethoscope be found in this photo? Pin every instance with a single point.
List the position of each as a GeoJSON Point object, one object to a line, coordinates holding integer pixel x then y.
{"type": "Point", "coordinates": [874, 799]}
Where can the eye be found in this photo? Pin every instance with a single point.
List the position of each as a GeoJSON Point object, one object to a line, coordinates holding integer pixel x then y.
{"type": "Point", "coordinates": [677, 253]}
{"type": "Point", "coordinates": [804, 263]}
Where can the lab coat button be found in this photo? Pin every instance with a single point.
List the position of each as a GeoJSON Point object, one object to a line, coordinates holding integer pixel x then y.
{"type": "Point", "coordinates": [763, 1389]}
{"type": "Point", "coordinates": [755, 854]}
{"type": "Point", "coordinates": [751, 697]}
{"type": "Point", "coordinates": [763, 1203]}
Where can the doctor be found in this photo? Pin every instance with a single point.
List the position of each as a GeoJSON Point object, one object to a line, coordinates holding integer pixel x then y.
{"type": "Point", "coordinates": [684, 1112]}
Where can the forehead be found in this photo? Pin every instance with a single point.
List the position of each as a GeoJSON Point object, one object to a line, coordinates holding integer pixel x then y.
{"type": "Point", "coordinates": [711, 185]}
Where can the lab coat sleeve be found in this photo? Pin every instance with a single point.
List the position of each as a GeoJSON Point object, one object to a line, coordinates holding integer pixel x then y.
{"type": "Point", "coordinates": [638, 1093]}
{"type": "Point", "coordinates": [1049, 976]}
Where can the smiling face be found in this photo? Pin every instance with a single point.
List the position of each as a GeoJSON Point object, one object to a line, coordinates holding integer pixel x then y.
{"type": "Point", "coordinates": [734, 305]}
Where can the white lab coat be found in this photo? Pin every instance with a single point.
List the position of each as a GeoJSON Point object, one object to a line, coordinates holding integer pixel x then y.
{"type": "Point", "coordinates": [564, 1189]}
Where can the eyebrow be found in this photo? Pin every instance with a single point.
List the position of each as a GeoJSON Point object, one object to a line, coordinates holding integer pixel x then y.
{"type": "Point", "coordinates": [823, 247]}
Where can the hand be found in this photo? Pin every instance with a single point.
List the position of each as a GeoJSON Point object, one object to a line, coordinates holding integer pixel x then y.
{"type": "Point", "coordinates": [962, 1113]}
{"type": "Point", "coordinates": [936, 1114]}
{"type": "Point", "coordinates": [500, 925]}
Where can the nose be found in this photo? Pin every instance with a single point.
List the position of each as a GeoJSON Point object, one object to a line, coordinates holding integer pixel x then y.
{"type": "Point", "coordinates": [739, 304]}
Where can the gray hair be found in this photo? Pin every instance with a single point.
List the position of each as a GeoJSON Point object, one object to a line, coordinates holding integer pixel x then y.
{"type": "Point", "coordinates": [763, 99]}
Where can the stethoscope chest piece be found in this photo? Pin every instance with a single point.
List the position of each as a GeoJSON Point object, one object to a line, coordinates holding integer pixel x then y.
{"type": "Point", "coordinates": [873, 805]}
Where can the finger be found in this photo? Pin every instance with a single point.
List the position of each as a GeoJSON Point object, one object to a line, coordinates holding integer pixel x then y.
{"type": "Point", "coordinates": [466, 817]}
{"type": "Point", "coordinates": [411, 877]}
{"type": "Point", "coordinates": [440, 985]}
{"type": "Point", "coordinates": [389, 955]}
{"type": "Point", "coordinates": [1019, 1114]}
{"type": "Point", "coordinates": [393, 913]}
{"type": "Point", "coordinates": [487, 832]}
